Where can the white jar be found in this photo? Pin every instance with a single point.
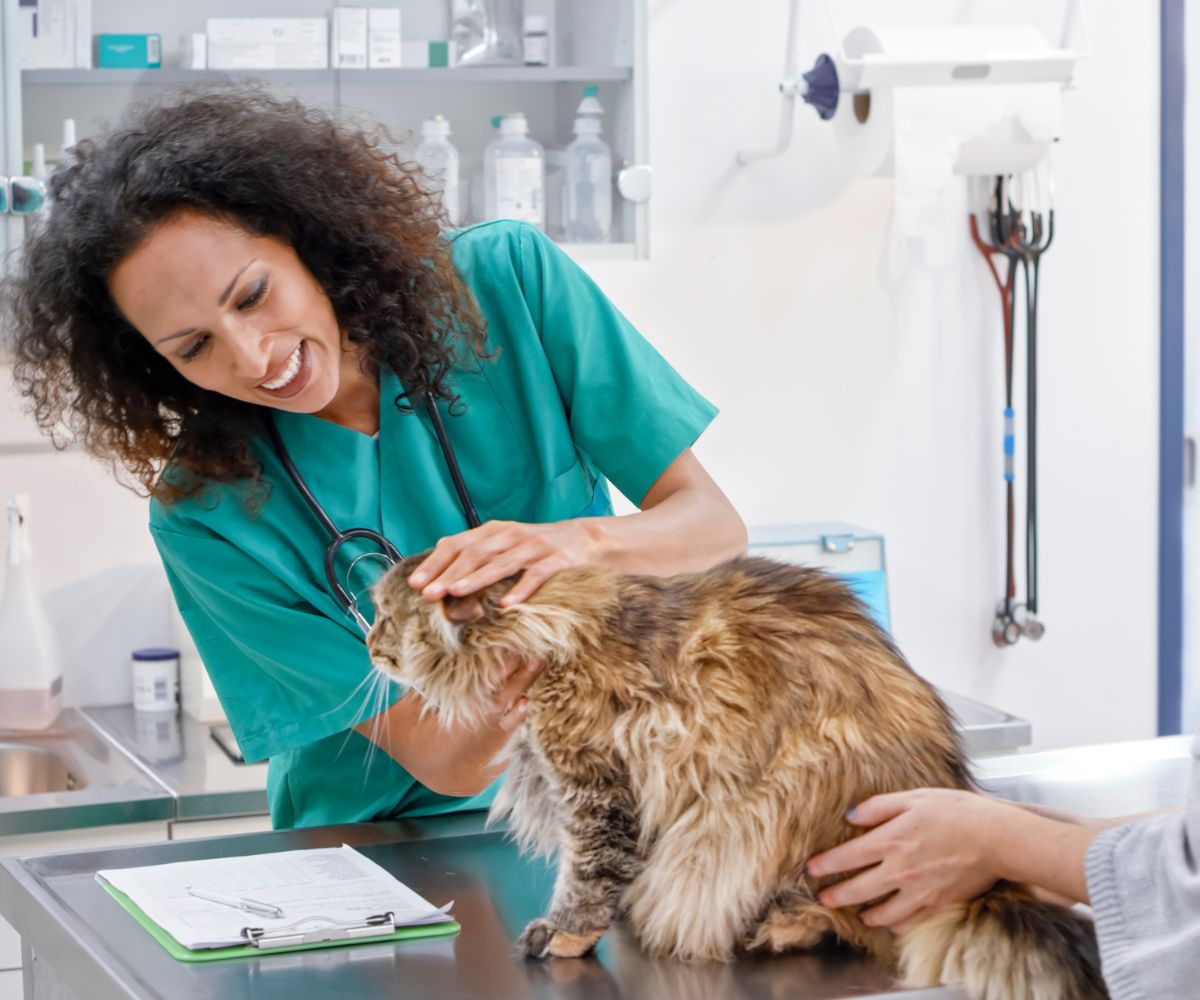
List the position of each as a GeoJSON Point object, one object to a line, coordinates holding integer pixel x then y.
{"type": "Point", "coordinates": [155, 679]}
{"type": "Point", "coordinates": [537, 40]}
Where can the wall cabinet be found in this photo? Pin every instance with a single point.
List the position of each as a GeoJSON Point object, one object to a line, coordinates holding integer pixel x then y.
{"type": "Point", "coordinates": [593, 43]}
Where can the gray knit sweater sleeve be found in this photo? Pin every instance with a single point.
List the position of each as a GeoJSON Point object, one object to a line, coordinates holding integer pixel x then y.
{"type": "Point", "coordinates": [1144, 882]}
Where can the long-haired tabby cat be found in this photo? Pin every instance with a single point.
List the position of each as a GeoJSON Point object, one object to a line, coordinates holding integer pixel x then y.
{"type": "Point", "coordinates": [692, 741]}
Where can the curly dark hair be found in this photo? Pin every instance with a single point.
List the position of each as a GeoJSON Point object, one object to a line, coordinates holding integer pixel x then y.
{"type": "Point", "coordinates": [362, 220]}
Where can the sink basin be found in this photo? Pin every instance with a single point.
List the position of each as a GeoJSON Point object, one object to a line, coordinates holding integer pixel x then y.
{"type": "Point", "coordinates": [29, 770]}
{"type": "Point", "coordinates": [67, 776]}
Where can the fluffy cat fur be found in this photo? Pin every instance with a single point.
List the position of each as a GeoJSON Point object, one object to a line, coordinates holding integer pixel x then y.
{"type": "Point", "coordinates": [692, 741]}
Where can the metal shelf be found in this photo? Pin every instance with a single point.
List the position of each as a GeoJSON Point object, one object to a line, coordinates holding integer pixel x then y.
{"type": "Point", "coordinates": [453, 74]}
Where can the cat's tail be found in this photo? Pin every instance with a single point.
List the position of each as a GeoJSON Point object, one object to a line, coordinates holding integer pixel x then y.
{"type": "Point", "coordinates": [1006, 945]}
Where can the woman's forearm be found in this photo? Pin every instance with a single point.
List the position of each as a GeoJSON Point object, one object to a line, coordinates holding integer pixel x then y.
{"type": "Point", "coordinates": [685, 526]}
{"type": "Point", "coordinates": [1044, 852]}
{"type": "Point", "coordinates": [449, 760]}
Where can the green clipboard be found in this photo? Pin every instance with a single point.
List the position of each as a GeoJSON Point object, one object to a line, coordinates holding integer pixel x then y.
{"type": "Point", "coordinates": [182, 954]}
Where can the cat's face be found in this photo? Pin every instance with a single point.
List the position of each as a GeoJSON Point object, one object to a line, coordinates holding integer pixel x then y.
{"type": "Point", "coordinates": [455, 651]}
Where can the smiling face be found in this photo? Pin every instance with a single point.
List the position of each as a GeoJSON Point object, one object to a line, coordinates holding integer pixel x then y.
{"type": "Point", "coordinates": [235, 313]}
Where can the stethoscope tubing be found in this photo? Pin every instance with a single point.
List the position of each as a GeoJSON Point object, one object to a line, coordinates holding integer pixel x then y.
{"type": "Point", "coordinates": [337, 537]}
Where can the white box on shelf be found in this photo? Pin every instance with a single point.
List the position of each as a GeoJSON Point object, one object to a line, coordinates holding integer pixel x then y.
{"type": "Point", "coordinates": [195, 51]}
{"type": "Point", "coordinates": [48, 34]}
{"type": "Point", "coordinates": [384, 38]}
{"type": "Point", "coordinates": [83, 33]}
{"type": "Point", "coordinates": [349, 49]}
{"type": "Point", "coordinates": [268, 43]}
{"type": "Point", "coordinates": [427, 54]}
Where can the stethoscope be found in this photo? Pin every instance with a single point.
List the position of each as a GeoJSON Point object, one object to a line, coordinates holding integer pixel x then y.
{"type": "Point", "coordinates": [1022, 244]}
{"type": "Point", "coordinates": [388, 552]}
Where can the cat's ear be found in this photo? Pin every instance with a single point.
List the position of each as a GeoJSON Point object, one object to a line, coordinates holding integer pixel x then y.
{"type": "Point", "coordinates": [461, 610]}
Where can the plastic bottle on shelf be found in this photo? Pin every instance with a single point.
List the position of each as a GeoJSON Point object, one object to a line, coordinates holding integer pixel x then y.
{"type": "Point", "coordinates": [590, 105]}
{"type": "Point", "coordinates": [30, 668]}
{"type": "Point", "coordinates": [473, 205]}
{"type": "Point", "coordinates": [556, 191]}
{"type": "Point", "coordinates": [439, 159]}
{"type": "Point", "coordinates": [514, 174]}
{"type": "Point", "coordinates": [588, 205]}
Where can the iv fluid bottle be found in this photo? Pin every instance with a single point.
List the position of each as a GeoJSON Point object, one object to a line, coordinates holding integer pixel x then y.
{"type": "Point", "coordinates": [588, 204]}
{"type": "Point", "coordinates": [439, 159]}
{"type": "Point", "coordinates": [514, 174]}
{"type": "Point", "coordinates": [30, 671]}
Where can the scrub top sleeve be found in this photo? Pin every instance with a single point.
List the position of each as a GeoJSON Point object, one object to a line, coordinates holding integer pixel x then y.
{"type": "Point", "coordinates": [628, 409]}
{"type": "Point", "coordinates": [286, 674]}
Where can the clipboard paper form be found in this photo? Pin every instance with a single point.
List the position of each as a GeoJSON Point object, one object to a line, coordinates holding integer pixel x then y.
{"type": "Point", "coordinates": [327, 896]}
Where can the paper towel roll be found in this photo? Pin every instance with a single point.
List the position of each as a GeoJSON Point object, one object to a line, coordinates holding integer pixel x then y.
{"type": "Point", "coordinates": [925, 134]}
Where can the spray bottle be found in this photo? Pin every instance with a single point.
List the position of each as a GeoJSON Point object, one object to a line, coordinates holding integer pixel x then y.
{"type": "Point", "coordinates": [30, 668]}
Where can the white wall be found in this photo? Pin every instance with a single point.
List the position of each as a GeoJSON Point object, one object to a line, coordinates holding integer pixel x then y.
{"type": "Point", "coordinates": [845, 398]}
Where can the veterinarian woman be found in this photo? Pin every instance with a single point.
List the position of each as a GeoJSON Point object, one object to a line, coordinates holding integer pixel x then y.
{"type": "Point", "coordinates": [224, 257]}
{"type": "Point", "coordinates": [933, 848]}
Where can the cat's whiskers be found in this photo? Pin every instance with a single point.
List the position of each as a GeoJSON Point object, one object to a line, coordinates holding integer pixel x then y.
{"type": "Point", "coordinates": [379, 719]}
{"type": "Point", "coordinates": [376, 682]}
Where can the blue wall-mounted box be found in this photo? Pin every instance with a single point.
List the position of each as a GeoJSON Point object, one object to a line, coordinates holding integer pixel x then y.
{"type": "Point", "coordinates": [129, 51]}
{"type": "Point", "coordinates": [854, 554]}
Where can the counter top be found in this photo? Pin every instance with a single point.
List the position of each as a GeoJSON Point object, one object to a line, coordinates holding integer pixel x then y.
{"type": "Point", "coordinates": [96, 949]}
{"type": "Point", "coordinates": [107, 766]}
{"type": "Point", "coordinates": [182, 755]}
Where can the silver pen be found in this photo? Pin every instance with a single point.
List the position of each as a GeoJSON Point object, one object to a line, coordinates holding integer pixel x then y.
{"type": "Point", "coordinates": [240, 902]}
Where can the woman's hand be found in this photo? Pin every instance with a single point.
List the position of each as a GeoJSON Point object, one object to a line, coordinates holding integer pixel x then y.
{"type": "Point", "coordinates": [454, 760]}
{"type": "Point", "coordinates": [471, 560]}
{"type": "Point", "coordinates": [930, 849]}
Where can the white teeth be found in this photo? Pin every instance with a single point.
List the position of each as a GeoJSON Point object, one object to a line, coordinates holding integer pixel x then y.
{"type": "Point", "coordinates": [289, 374]}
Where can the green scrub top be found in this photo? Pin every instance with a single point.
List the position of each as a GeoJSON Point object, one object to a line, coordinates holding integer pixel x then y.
{"type": "Point", "coordinates": [574, 396]}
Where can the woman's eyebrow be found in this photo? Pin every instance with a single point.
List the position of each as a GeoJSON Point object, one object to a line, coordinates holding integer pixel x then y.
{"type": "Point", "coordinates": [221, 301]}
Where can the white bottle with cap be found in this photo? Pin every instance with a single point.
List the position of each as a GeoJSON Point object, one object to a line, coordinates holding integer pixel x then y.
{"type": "Point", "coordinates": [439, 159]}
{"type": "Point", "coordinates": [30, 667]}
{"type": "Point", "coordinates": [588, 207]}
{"type": "Point", "coordinates": [514, 174]}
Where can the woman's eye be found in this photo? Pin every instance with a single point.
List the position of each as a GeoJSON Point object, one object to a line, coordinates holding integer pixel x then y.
{"type": "Point", "coordinates": [256, 295]}
{"type": "Point", "coordinates": [194, 351]}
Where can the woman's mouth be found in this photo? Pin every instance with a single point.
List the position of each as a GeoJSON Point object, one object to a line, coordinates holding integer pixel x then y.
{"type": "Point", "coordinates": [294, 377]}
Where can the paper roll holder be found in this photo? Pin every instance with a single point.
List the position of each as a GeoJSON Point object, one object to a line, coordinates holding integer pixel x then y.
{"type": "Point", "coordinates": [831, 76]}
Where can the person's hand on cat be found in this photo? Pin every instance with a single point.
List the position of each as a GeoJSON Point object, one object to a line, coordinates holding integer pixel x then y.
{"type": "Point", "coordinates": [929, 850]}
{"type": "Point", "coordinates": [508, 707]}
{"type": "Point", "coordinates": [471, 560]}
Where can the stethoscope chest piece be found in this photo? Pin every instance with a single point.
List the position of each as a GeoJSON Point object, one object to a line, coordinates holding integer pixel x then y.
{"type": "Point", "coordinates": [1014, 621]}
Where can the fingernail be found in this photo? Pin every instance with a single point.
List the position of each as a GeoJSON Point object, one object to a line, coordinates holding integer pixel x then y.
{"type": "Point", "coordinates": [851, 812]}
{"type": "Point", "coordinates": [417, 579]}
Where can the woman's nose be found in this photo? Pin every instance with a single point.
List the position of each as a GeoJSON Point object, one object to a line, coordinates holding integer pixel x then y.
{"type": "Point", "coordinates": [250, 354]}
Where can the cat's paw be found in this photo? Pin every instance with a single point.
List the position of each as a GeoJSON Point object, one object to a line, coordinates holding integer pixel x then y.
{"type": "Point", "coordinates": [542, 939]}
